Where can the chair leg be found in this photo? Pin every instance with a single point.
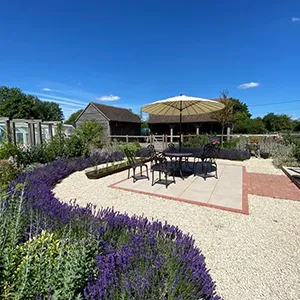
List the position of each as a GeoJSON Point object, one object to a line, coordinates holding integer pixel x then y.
{"type": "Point", "coordinates": [128, 173]}
{"type": "Point", "coordinates": [166, 177]}
{"type": "Point", "coordinates": [141, 170]}
{"type": "Point", "coordinates": [147, 172]}
{"type": "Point", "coordinates": [194, 166]}
{"type": "Point", "coordinates": [205, 171]}
{"type": "Point", "coordinates": [152, 177]}
{"type": "Point", "coordinates": [216, 171]}
{"type": "Point", "coordinates": [134, 178]}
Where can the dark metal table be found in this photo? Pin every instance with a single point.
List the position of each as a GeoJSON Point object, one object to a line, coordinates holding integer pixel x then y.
{"type": "Point", "coordinates": [178, 156]}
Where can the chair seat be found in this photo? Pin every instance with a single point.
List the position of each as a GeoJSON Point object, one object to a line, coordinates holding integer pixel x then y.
{"type": "Point", "coordinates": [139, 164]}
{"type": "Point", "coordinates": [162, 168]}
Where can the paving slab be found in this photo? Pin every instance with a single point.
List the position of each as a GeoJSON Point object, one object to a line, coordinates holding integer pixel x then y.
{"type": "Point", "coordinates": [224, 192]}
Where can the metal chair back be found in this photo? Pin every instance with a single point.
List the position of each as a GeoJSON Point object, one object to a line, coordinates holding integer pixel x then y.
{"type": "Point", "coordinates": [209, 151]}
{"type": "Point", "coordinates": [151, 150]}
{"type": "Point", "coordinates": [130, 157]}
{"type": "Point", "coordinates": [159, 159]}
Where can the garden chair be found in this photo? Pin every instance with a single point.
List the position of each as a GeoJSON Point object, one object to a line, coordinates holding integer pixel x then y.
{"type": "Point", "coordinates": [162, 166]}
{"type": "Point", "coordinates": [152, 152]}
{"type": "Point", "coordinates": [208, 160]}
{"type": "Point", "coordinates": [134, 163]}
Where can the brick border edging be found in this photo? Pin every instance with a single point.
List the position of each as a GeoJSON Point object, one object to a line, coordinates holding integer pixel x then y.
{"type": "Point", "coordinates": [245, 205]}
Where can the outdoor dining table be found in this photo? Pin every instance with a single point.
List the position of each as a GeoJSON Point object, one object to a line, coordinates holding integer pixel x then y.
{"type": "Point", "coordinates": [178, 156]}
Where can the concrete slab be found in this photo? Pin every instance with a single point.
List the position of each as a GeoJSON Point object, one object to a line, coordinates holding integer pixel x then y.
{"type": "Point", "coordinates": [226, 201]}
{"type": "Point", "coordinates": [226, 192]}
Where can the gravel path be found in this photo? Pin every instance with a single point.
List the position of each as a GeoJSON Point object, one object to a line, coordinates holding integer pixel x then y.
{"type": "Point", "coordinates": [256, 165]}
{"type": "Point", "coordinates": [250, 257]}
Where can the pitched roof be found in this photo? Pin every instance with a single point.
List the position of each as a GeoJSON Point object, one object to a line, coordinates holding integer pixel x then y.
{"type": "Point", "coordinates": [118, 114]}
{"type": "Point", "coordinates": [175, 119]}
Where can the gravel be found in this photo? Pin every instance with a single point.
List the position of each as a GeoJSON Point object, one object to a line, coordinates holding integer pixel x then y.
{"type": "Point", "coordinates": [250, 257]}
{"type": "Point", "coordinates": [256, 165]}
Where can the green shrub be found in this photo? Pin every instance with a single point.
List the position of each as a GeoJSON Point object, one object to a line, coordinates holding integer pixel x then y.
{"type": "Point", "coordinates": [296, 152]}
{"type": "Point", "coordinates": [57, 145]}
{"type": "Point", "coordinates": [74, 146]}
{"type": "Point", "coordinates": [91, 134]}
{"type": "Point", "coordinates": [8, 172]}
{"type": "Point", "coordinates": [231, 144]}
{"type": "Point", "coordinates": [12, 228]}
{"type": "Point", "coordinates": [285, 160]}
{"type": "Point", "coordinates": [112, 146]}
{"type": "Point", "coordinates": [35, 154]}
{"type": "Point", "coordinates": [132, 147]}
{"type": "Point", "coordinates": [49, 261]}
{"type": "Point", "coordinates": [8, 149]}
{"type": "Point", "coordinates": [196, 141]}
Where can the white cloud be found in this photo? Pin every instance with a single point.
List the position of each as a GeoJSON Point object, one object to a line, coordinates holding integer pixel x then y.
{"type": "Point", "coordinates": [248, 85]}
{"type": "Point", "coordinates": [71, 100]}
{"type": "Point", "coordinates": [108, 98]}
{"type": "Point", "coordinates": [295, 19]}
{"type": "Point", "coordinates": [62, 102]}
{"type": "Point", "coordinates": [46, 90]}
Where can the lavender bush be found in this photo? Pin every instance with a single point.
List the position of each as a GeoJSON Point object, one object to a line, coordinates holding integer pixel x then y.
{"type": "Point", "coordinates": [122, 257]}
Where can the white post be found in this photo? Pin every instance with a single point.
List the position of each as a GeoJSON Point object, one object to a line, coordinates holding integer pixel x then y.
{"type": "Point", "coordinates": [228, 133]}
{"type": "Point", "coordinates": [197, 130]}
{"type": "Point", "coordinates": [50, 129]}
{"type": "Point", "coordinates": [38, 126]}
{"type": "Point", "coordinates": [8, 130]}
{"type": "Point", "coordinates": [31, 134]}
{"type": "Point", "coordinates": [171, 134]}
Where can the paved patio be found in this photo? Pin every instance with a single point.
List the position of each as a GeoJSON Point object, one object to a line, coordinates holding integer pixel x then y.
{"type": "Point", "coordinates": [225, 193]}
{"type": "Point", "coordinates": [275, 186]}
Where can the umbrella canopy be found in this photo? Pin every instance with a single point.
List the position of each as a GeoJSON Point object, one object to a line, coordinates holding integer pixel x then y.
{"type": "Point", "coordinates": [182, 105]}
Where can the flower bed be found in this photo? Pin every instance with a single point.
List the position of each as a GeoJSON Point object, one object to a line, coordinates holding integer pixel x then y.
{"type": "Point", "coordinates": [72, 252]}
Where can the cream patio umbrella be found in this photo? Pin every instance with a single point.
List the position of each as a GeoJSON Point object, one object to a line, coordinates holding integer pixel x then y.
{"type": "Point", "coordinates": [182, 106]}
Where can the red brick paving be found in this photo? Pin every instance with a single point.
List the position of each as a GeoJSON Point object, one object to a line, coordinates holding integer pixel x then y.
{"type": "Point", "coordinates": [276, 186]}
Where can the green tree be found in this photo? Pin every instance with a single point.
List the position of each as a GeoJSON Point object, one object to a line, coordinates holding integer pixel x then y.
{"type": "Point", "coordinates": [275, 122]}
{"type": "Point", "coordinates": [243, 124]}
{"type": "Point", "coordinates": [73, 117]}
{"type": "Point", "coordinates": [15, 104]}
{"type": "Point", "coordinates": [48, 111]}
{"type": "Point", "coordinates": [256, 126]}
{"type": "Point", "coordinates": [240, 107]}
{"type": "Point", "coordinates": [297, 125]}
{"type": "Point", "coordinates": [225, 115]}
{"type": "Point", "coordinates": [91, 133]}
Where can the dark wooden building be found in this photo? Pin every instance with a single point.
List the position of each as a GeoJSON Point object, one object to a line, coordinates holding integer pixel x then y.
{"type": "Point", "coordinates": [194, 124]}
{"type": "Point", "coordinates": [114, 120]}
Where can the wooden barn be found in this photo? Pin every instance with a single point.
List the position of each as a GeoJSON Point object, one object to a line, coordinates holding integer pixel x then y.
{"type": "Point", "coordinates": [194, 124]}
{"type": "Point", "coordinates": [114, 120]}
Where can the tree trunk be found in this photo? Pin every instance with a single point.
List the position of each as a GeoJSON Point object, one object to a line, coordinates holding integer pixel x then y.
{"type": "Point", "coordinates": [222, 134]}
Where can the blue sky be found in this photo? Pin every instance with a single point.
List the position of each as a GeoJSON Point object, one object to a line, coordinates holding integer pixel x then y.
{"type": "Point", "coordinates": [135, 52]}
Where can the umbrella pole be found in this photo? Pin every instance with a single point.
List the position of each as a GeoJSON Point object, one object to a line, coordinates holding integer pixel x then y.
{"type": "Point", "coordinates": [180, 121]}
